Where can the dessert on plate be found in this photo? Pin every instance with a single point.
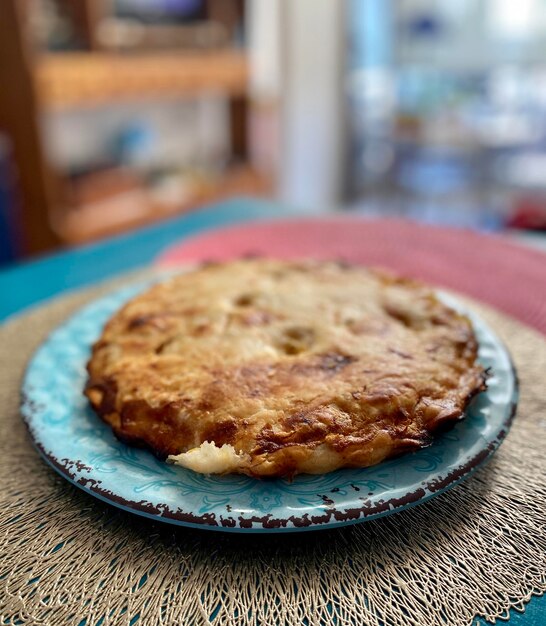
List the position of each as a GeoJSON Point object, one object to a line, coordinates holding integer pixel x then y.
{"type": "Point", "coordinates": [272, 368]}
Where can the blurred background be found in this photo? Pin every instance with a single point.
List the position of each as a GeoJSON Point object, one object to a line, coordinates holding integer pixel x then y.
{"type": "Point", "coordinates": [115, 114]}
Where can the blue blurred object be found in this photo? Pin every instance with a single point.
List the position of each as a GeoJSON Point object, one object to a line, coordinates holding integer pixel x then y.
{"type": "Point", "coordinates": [161, 9]}
{"type": "Point", "coordinates": [370, 33]}
{"type": "Point", "coordinates": [134, 143]}
{"type": "Point", "coordinates": [8, 238]}
{"type": "Point", "coordinates": [425, 26]}
{"type": "Point", "coordinates": [433, 173]}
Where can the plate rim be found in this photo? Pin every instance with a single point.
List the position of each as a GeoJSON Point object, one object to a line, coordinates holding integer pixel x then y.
{"type": "Point", "coordinates": [327, 519]}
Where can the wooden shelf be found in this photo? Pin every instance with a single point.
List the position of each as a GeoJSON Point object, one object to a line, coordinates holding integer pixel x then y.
{"type": "Point", "coordinates": [133, 208]}
{"type": "Point", "coordinates": [94, 78]}
{"type": "Point", "coordinates": [54, 208]}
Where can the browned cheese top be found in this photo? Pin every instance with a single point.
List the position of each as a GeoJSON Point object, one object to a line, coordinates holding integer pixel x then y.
{"type": "Point", "coordinates": [298, 366]}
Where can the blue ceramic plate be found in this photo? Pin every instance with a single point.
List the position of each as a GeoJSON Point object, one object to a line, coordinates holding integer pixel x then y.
{"type": "Point", "coordinates": [81, 448]}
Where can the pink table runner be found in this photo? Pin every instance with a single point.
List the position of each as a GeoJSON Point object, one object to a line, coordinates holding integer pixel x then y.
{"type": "Point", "coordinates": [490, 268]}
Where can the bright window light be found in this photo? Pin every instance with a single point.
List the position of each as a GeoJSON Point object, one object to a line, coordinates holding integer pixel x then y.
{"type": "Point", "coordinates": [512, 19]}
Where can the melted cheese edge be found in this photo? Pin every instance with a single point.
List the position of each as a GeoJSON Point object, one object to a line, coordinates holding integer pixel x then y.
{"type": "Point", "coordinates": [210, 459]}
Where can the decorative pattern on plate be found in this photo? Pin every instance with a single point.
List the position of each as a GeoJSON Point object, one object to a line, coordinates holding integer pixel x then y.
{"type": "Point", "coordinates": [83, 449]}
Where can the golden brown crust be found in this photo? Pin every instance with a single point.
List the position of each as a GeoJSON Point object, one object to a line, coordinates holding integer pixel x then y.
{"type": "Point", "coordinates": [300, 366]}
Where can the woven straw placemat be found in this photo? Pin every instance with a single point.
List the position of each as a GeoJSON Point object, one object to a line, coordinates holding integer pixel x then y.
{"type": "Point", "coordinates": [65, 557]}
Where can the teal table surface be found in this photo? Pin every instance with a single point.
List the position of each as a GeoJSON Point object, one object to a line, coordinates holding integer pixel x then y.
{"type": "Point", "coordinates": [26, 284]}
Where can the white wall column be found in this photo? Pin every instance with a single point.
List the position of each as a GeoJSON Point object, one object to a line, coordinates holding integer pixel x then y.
{"type": "Point", "coordinates": [313, 125]}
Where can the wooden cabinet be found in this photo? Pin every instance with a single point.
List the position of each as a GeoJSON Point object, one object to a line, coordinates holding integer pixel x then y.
{"type": "Point", "coordinates": [33, 81]}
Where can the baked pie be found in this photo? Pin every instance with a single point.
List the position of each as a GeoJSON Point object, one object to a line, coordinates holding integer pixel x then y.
{"type": "Point", "coordinates": [272, 368]}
